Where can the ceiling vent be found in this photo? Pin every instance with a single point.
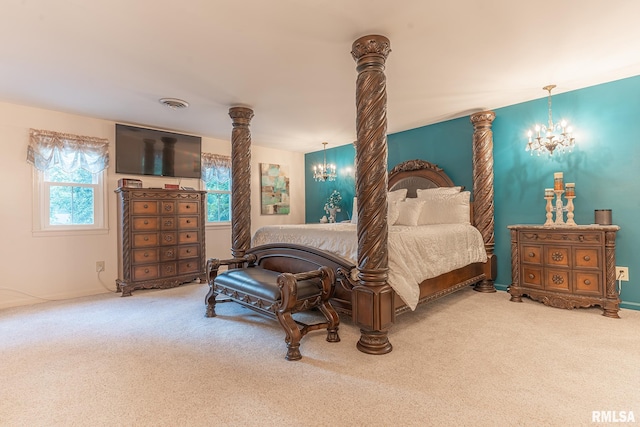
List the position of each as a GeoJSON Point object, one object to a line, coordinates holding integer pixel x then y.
{"type": "Point", "coordinates": [174, 103]}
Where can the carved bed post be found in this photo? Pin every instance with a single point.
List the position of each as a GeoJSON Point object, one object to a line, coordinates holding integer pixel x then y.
{"type": "Point", "coordinates": [483, 215]}
{"type": "Point", "coordinates": [240, 180]}
{"type": "Point", "coordinates": [372, 298]}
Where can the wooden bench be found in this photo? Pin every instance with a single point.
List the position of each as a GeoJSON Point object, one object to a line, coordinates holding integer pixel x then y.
{"type": "Point", "coordinates": [276, 294]}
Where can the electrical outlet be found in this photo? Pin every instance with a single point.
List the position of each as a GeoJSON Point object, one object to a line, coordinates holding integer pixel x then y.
{"type": "Point", "coordinates": [99, 266]}
{"type": "Point", "coordinates": [622, 273]}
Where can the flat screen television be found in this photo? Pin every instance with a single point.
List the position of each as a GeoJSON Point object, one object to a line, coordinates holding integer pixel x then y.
{"type": "Point", "coordinates": [141, 151]}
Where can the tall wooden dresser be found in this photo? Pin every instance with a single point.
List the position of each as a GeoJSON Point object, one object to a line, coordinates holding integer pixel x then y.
{"type": "Point", "coordinates": [565, 266]}
{"type": "Point", "coordinates": [161, 238]}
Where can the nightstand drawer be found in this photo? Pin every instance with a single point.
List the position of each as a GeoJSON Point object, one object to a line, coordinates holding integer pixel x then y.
{"type": "Point", "coordinates": [145, 223]}
{"type": "Point", "coordinates": [586, 258]}
{"type": "Point", "coordinates": [587, 283]}
{"type": "Point", "coordinates": [145, 272]}
{"type": "Point", "coordinates": [557, 255]}
{"type": "Point", "coordinates": [532, 254]}
{"type": "Point", "coordinates": [146, 207]}
{"type": "Point", "coordinates": [141, 240]}
{"type": "Point", "coordinates": [532, 276]}
{"type": "Point", "coordinates": [557, 280]}
{"type": "Point", "coordinates": [145, 256]}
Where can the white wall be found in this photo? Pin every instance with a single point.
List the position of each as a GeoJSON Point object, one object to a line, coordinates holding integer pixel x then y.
{"type": "Point", "coordinates": [33, 269]}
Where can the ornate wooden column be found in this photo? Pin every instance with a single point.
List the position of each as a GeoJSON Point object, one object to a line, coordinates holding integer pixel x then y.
{"type": "Point", "coordinates": [240, 180]}
{"type": "Point", "coordinates": [483, 208]}
{"type": "Point", "coordinates": [372, 298]}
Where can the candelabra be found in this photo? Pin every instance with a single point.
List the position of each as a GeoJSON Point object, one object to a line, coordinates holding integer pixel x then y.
{"type": "Point", "coordinates": [557, 191]}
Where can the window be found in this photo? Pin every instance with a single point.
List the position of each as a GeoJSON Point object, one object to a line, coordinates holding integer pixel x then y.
{"type": "Point", "coordinates": [69, 181]}
{"type": "Point", "coordinates": [216, 174]}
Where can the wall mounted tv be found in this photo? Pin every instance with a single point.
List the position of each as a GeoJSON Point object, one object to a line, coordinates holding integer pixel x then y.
{"type": "Point", "coordinates": [141, 151]}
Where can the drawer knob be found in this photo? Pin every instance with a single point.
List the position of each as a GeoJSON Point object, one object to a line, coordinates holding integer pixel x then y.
{"type": "Point", "coordinates": [531, 276]}
{"type": "Point", "coordinates": [146, 206]}
{"type": "Point", "coordinates": [188, 251]}
{"type": "Point", "coordinates": [188, 236]}
{"type": "Point", "coordinates": [146, 254]}
{"type": "Point", "coordinates": [188, 206]}
{"type": "Point", "coordinates": [146, 270]}
{"type": "Point", "coordinates": [587, 258]}
{"type": "Point", "coordinates": [587, 282]}
{"type": "Point", "coordinates": [146, 238]}
{"type": "Point", "coordinates": [188, 265]}
{"type": "Point", "coordinates": [532, 255]}
{"type": "Point", "coordinates": [146, 222]}
{"type": "Point", "coordinates": [188, 221]}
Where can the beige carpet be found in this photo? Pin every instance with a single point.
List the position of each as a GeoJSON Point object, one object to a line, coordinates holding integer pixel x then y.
{"type": "Point", "coordinates": [469, 359]}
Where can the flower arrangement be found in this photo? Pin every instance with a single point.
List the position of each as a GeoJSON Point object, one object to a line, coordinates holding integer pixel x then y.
{"type": "Point", "coordinates": [333, 205]}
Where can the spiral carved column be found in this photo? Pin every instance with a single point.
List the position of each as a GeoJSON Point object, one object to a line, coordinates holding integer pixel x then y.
{"type": "Point", "coordinates": [612, 302]}
{"type": "Point", "coordinates": [372, 298]}
{"type": "Point", "coordinates": [483, 208]}
{"type": "Point", "coordinates": [240, 180]}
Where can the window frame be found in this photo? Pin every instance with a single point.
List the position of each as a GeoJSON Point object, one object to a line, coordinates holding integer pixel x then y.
{"type": "Point", "coordinates": [41, 205]}
{"type": "Point", "coordinates": [205, 165]}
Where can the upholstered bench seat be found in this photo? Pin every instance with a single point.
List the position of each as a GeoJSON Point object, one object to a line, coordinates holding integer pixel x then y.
{"type": "Point", "coordinates": [275, 294]}
{"type": "Point", "coordinates": [261, 283]}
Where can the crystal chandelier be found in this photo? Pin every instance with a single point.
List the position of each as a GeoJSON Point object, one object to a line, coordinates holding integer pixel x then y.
{"type": "Point", "coordinates": [324, 172]}
{"type": "Point", "coordinates": [546, 139]}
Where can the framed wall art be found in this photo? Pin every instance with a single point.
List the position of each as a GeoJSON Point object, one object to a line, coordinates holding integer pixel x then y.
{"type": "Point", "coordinates": [274, 189]}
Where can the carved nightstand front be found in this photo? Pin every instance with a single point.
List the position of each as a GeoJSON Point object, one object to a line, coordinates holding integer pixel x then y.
{"type": "Point", "coordinates": [565, 266]}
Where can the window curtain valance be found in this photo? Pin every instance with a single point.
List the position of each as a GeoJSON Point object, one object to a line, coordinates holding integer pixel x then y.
{"type": "Point", "coordinates": [215, 165]}
{"type": "Point", "coordinates": [70, 152]}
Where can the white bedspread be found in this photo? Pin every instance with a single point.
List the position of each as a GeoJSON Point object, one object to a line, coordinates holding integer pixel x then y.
{"type": "Point", "coordinates": [441, 248]}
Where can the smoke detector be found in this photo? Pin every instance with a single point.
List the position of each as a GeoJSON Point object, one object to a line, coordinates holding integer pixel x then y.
{"type": "Point", "coordinates": [174, 103]}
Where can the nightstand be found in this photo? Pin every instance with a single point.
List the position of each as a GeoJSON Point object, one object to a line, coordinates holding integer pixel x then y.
{"type": "Point", "coordinates": [565, 266]}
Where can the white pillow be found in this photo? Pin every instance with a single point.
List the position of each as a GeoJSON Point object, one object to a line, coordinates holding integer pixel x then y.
{"type": "Point", "coordinates": [410, 210]}
{"type": "Point", "coordinates": [426, 192]}
{"type": "Point", "coordinates": [392, 212]}
{"type": "Point", "coordinates": [446, 209]}
{"type": "Point", "coordinates": [354, 212]}
{"type": "Point", "coordinates": [397, 195]}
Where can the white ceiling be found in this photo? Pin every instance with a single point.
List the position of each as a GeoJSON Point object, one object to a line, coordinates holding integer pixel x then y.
{"type": "Point", "coordinates": [290, 61]}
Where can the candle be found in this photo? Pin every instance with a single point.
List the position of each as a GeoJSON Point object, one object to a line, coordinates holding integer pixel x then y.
{"type": "Point", "coordinates": [570, 189]}
{"type": "Point", "coordinates": [548, 192]}
{"type": "Point", "coordinates": [557, 181]}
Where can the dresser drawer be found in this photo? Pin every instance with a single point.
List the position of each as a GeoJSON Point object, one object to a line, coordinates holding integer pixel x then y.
{"type": "Point", "coordinates": [141, 240]}
{"type": "Point", "coordinates": [145, 256]}
{"type": "Point", "coordinates": [531, 254]}
{"type": "Point", "coordinates": [146, 272]}
{"type": "Point", "coordinates": [188, 208]}
{"type": "Point", "coordinates": [188, 223]}
{"type": "Point", "coordinates": [586, 258]}
{"type": "Point", "coordinates": [587, 283]}
{"type": "Point", "coordinates": [557, 255]}
{"type": "Point", "coordinates": [168, 207]}
{"type": "Point", "coordinates": [168, 269]}
{"type": "Point", "coordinates": [557, 280]}
{"type": "Point", "coordinates": [168, 253]}
{"type": "Point", "coordinates": [532, 276]}
{"type": "Point", "coordinates": [188, 251]}
{"type": "Point", "coordinates": [168, 238]}
{"type": "Point", "coordinates": [145, 223]}
{"type": "Point", "coordinates": [190, 266]}
{"type": "Point", "coordinates": [187, 237]}
{"type": "Point", "coordinates": [145, 207]}
{"type": "Point", "coordinates": [167, 223]}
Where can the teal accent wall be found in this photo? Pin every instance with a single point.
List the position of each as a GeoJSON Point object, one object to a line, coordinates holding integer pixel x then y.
{"type": "Point", "coordinates": [317, 192]}
{"type": "Point", "coordinates": [605, 166]}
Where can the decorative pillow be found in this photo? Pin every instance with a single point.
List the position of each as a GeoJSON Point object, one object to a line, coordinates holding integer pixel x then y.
{"type": "Point", "coordinates": [446, 209]}
{"type": "Point", "coordinates": [410, 210]}
{"type": "Point", "coordinates": [392, 212]}
{"type": "Point", "coordinates": [397, 195]}
{"type": "Point", "coordinates": [354, 212]}
{"type": "Point", "coordinates": [426, 192]}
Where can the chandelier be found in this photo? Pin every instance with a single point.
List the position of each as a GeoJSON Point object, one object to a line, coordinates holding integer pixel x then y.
{"type": "Point", "coordinates": [324, 172]}
{"type": "Point", "coordinates": [546, 139]}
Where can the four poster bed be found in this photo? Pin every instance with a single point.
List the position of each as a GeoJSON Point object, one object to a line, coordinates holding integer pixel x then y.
{"type": "Point", "coordinates": [361, 285]}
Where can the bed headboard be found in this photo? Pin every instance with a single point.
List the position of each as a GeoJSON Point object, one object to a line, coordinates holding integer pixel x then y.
{"type": "Point", "coordinates": [417, 174]}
